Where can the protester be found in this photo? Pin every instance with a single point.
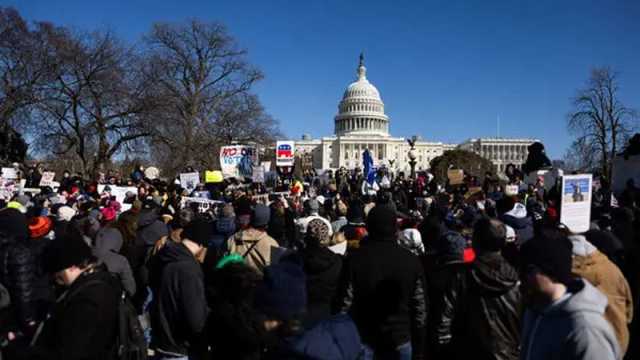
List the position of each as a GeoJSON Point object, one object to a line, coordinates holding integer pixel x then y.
{"type": "Point", "coordinates": [565, 315]}
{"type": "Point", "coordinates": [107, 250]}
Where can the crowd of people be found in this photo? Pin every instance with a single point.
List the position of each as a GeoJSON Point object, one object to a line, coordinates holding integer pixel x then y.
{"type": "Point", "coordinates": [332, 266]}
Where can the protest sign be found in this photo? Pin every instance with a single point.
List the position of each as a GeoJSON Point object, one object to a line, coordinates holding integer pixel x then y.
{"type": "Point", "coordinates": [511, 190]}
{"type": "Point", "coordinates": [213, 176]}
{"type": "Point", "coordinates": [575, 210]}
{"type": "Point", "coordinates": [47, 178]}
{"type": "Point", "coordinates": [238, 160]}
{"type": "Point", "coordinates": [258, 174]}
{"type": "Point", "coordinates": [203, 204]}
{"type": "Point", "coordinates": [189, 181]}
{"type": "Point", "coordinates": [120, 192]}
{"type": "Point", "coordinates": [456, 176]}
{"type": "Point", "coordinates": [152, 172]}
{"type": "Point", "coordinates": [9, 173]}
{"type": "Point", "coordinates": [7, 189]}
{"type": "Point", "coordinates": [285, 153]}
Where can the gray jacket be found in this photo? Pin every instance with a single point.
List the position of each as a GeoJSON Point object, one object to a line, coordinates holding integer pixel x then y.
{"type": "Point", "coordinates": [106, 249]}
{"type": "Point", "coordinates": [573, 329]}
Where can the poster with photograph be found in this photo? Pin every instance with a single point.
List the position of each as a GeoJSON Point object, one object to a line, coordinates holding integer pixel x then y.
{"type": "Point", "coordinates": [238, 161]}
{"type": "Point", "coordinates": [189, 181]}
{"type": "Point", "coordinates": [575, 210]}
{"type": "Point", "coordinates": [47, 178]}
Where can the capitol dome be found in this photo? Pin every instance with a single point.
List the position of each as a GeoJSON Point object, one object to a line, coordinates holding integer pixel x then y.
{"type": "Point", "coordinates": [361, 111]}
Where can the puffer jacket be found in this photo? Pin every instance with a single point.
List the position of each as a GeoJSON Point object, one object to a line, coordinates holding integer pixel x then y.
{"type": "Point", "coordinates": [323, 269]}
{"type": "Point", "coordinates": [107, 247]}
{"type": "Point", "coordinates": [595, 267]}
{"type": "Point", "coordinates": [257, 247]}
{"type": "Point", "coordinates": [493, 307]}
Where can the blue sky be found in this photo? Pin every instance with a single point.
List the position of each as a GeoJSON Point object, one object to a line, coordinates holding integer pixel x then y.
{"type": "Point", "coordinates": [446, 69]}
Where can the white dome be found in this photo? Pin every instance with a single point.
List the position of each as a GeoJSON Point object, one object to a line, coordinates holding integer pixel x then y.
{"type": "Point", "coordinates": [361, 111]}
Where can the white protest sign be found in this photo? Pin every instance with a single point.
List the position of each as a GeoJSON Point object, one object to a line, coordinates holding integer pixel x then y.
{"type": "Point", "coordinates": [120, 192]}
{"type": "Point", "coordinates": [7, 189]}
{"type": "Point", "coordinates": [9, 173]}
{"type": "Point", "coordinates": [511, 190]}
{"type": "Point", "coordinates": [47, 178]}
{"type": "Point", "coordinates": [285, 153]}
{"type": "Point", "coordinates": [189, 181]}
{"type": "Point", "coordinates": [238, 160]}
{"type": "Point", "coordinates": [204, 205]}
{"type": "Point", "coordinates": [575, 210]}
{"type": "Point", "coordinates": [258, 174]}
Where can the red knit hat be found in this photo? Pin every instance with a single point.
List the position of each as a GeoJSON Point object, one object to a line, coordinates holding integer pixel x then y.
{"type": "Point", "coordinates": [108, 214]}
{"type": "Point", "coordinates": [39, 226]}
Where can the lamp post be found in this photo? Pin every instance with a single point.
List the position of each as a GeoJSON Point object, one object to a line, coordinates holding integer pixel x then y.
{"type": "Point", "coordinates": [412, 156]}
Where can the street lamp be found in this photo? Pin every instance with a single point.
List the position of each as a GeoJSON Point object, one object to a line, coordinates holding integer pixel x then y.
{"type": "Point", "coordinates": [412, 155]}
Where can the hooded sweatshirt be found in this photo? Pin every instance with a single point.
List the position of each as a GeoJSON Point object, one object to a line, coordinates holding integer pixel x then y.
{"type": "Point", "coordinates": [107, 249]}
{"type": "Point", "coordinates": [572, 328]}
{"type": "Point", "coordinates": [517, 218]}
{"type": "Point", "coordinates": [595, 267]}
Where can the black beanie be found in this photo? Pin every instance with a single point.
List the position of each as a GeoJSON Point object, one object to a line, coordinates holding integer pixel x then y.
{"type": "Point", "coordinates": [199, 231]}
{"type": "Point", "coordinates": [550, 252]}
{"type": "Point", "coordinates": [65, 252]}
{"type": "Point", "coordinates": [382, 223]}
{"type": "Point", "coordinates": [282, 294]}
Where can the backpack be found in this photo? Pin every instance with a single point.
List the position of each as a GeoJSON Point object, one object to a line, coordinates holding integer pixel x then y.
{"type": "Point", "coordinates": [130, 341]}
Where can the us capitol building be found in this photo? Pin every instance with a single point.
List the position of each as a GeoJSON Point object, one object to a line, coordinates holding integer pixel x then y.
{"type": "Point", "coordinates": [362, 124]}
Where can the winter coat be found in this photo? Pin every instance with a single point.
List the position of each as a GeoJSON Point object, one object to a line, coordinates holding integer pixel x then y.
{"type": "Point", "coordinates": [383, 289]}
{"type": "Point", "coordinates": [107, 247]}
{"type": "Point", "coordinates": [257, 247]}
{"type": "Point", "coordinates": [179, 308]}
{"type": "Point", "coordinates": [492, 310]}
{"type": "Point", "coordinates": [83, 322]}
{"type": "Point", "coordinates": [224, 227]}
{"type": "Point", "coordinates": [523, 225]}
{"type": "Point", "coordinates": [595, 267]}
{"type": "Point", "coordinates": [573, 328]}
{"type": "Point", "coordinates": [323, 269]}
{"type": "Point", "coordinates": [333, 339]}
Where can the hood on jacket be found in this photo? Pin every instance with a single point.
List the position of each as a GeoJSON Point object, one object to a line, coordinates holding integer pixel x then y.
{"type": "Point", "coordinates": [581, 247]}
{"type": "Point", "coordinates": [450, 247]}
{"type": "Point", "coordinates": [107, 240]}
{"type": "Point", "coordinates": [147, 217]}
{"type": "Point", "coordinates": [173, 252]}
{"type": "Point", "coordinates": [491, 274]}
{"type": "Point", "coordinates": [586, 298]}
{"type": "Point", "coordinates": [519, 211]}
{"type": "Point", "coordinates": [318, 260]}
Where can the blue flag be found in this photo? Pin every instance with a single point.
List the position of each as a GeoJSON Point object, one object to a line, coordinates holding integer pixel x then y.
{"type": "Point", "coordinates": [369, 171]}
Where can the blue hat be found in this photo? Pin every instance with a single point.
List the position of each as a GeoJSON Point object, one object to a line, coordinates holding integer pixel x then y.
{"type": "Point", "coordinates": [282, 294]}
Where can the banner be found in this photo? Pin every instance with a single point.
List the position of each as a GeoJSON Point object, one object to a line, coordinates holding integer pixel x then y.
{"type": "Point", "coordinates": [189, 181]}
{"type": "Point", "coordinates": [47, 178]}
{"type": "Point", "coordinates": [575, 210]}
{"type": "Point", "coordinates": [204, 205]}
{"type": "Point", "coordinates": [9, 173]}
{"type": "Point", "coordinates": [285, 153]}
{"type": "Point", "coordinates": [238, 160]}
{"type": "Point", "coordinates": [120, 192]}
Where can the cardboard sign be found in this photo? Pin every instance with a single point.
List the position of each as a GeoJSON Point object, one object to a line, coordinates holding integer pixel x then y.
{"type": "Point", "coordinates": [456, 176]}
{"type": "Point", "coordinates": [575, 210]}
{"type": "Point", "coordinates": [238, 160]}
{"type": "Point", "coordinates": [189, 181]}
{"type": "Point", "coordinates": [47, 178]}
{"type": "Point", "coordinates": [213, 176]}
{"type": "Point", "coordinates": [9, 173]}
{"type": "Point", "coordinates": [285, 153]}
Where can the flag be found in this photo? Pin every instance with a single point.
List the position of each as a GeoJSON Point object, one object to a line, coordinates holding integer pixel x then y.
{"type": "Point", "coordinates": [369, 171]}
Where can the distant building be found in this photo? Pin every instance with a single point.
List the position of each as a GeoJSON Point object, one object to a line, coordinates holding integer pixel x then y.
{"type": "Point", "coordinates": [361, 123]}
{"type": "Point", "coordinates": [500, 151]}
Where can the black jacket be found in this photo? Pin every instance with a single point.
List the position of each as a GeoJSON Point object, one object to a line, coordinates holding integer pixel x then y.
{"type": "Point", "coordinates": [323, 269]}
{"type": "Point", "coordinates": [83, 322]}
{"type": "Point", "coordinates": [18, 273]}
{"type": "Point", "coordinates": [383, 289]}
{"type": "Point", "coordinates": [492, 310]}
{"type": "Point", "coordinates": [179, 307]}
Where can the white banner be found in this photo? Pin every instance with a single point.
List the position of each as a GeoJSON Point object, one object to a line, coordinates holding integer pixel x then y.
{"type": "Point", "coordinates": [575, 211]}
{"type": "Point", "coordinates": [47, 178]}
{"type": "Point", "coordinates": [189, 181]}
{"type": "Point", "coordinates": [204, 205]}
{"type": "Point", "coordinates": [9, 173]}
{"type": "Point", "coordinates": [285, 153]}
{"type": "Point", "coordinates": [238, 160]}
{"type": "Point", "coordinates": [120, 192]}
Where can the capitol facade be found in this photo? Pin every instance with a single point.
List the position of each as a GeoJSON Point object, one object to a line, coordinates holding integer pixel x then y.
{"type": "Point", "coordinates": [361, 123]}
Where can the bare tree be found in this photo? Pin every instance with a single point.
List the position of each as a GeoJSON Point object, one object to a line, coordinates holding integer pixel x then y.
{"type": "Point", "coordinates": [97, 103]}
{"type": "Point", "coordinates": [599, 119]}
{"type": "Point", "coordinates": [205, 83]}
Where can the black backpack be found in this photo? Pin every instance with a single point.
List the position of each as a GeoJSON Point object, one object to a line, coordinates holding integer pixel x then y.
{"type": "Point", "coordinates": [130, 341]}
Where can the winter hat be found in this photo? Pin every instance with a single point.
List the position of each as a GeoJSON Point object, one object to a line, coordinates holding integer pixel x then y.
{"type": "Point", "coordinates": [551, 253]}
{"type": "Point", "coordinates": [39, 226]}
{"type": "Point", "coordinates": [381, 223]}
{"type": "Point", "coordinates": [411, 239]}
{"type": "Point", "coordinates": [62, 253]}
{"type": "Point", "coordinates": [108, 214]}
{"type": "Point", "coordinates": [229, 259]}
{"type": "Point", "coordinates": [13, 223]}
{"type": "Point", "coordinates": [312, 206]}
{"type": "Point", "coordinates": [489, 235]}
{"type": "Point", "coordinates": [261, 215]}
{"type": "Point", "coordinates": [24, 200]}
{"type": "Point", "coordinates": [17, 206]}
{"type": "Point", "coordinates": [450, 246]}
{"type": "Point", "coordinates": [199, 231]}
{"type": "Point", "coordinates": [317, 232]}
{"type": "Point", "coordinates": [282, 294]}
{"type": "Point", "coordinates": [66, 213]}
